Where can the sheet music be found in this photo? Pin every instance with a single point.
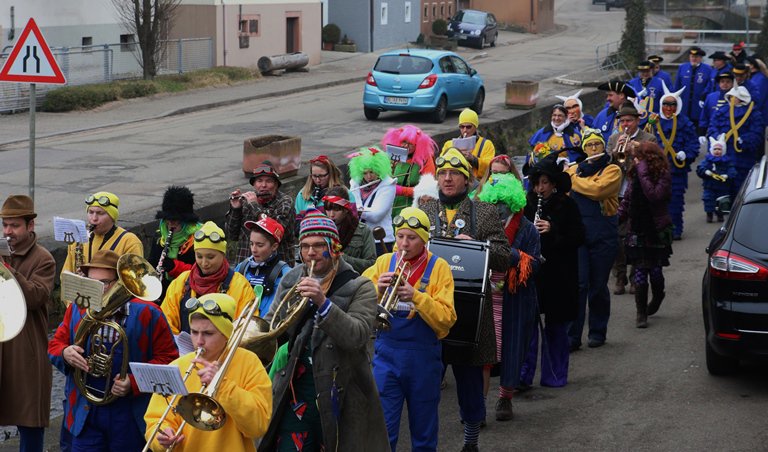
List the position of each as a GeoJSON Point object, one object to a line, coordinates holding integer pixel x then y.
{"type": "Point", "coordinates": [184, 343]}
{"type": "Point", "coordinates": [397, 153]}
{"type": "Point", "coordinates": [465, 144]}
{"type": "Point", "coordinates": [162, 379]}
{"type": "Point", "coordinates": [86, 293]}
{"type": "Point", "coordinates": [5, 248]}
{"type": "Point", "coordinates": [69, 231]}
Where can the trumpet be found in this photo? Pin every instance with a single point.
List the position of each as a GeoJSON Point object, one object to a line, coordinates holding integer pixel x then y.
{"type": "Point", "coordinates": [172, 405]}
{"type": "Point", "coordinates": [390, 298]}
{"type": "Point", "coordinates": [620, 154]}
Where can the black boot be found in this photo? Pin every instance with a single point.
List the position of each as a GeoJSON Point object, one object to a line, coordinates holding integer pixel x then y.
{"type": "Point", "coordinates": [641, 302]}
{"type": "Point", "coordinates": [657, 291]}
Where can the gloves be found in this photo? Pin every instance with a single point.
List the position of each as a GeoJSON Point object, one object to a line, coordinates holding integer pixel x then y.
{"type": "Point", "coordinates": [169, 265]}
{"type": "Point", "coordinates": [708, 172]}
{"type": "Point", "coordinates": [680, 156]}
{"type": "Point", "coordinates": [725, 177]}
{"type": "Point", "coordinates": [702, 140]}
{"type": "Point", "coordinates": [701, 104]}
{"type": "Point", "coordinates": [740, 141]}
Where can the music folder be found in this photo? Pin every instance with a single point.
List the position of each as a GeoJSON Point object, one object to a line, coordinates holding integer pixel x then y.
{"type": "Point", "coordinates": [162, 379]}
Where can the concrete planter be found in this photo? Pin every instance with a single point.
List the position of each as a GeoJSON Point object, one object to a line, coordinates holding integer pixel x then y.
{"type": "Point", "coordinates": [284, 153]}
{"type": "Point", "coordinates": [522, 94]}
{"type": "Point", "coordinates": [345, 48]}
{"type": "Point", "coordinates": [327, 46]}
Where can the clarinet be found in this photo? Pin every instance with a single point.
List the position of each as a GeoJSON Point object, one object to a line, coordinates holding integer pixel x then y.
{"type": "Point", "coordinates": [160, 270]}
{"type": "Point", "coordinates": [537, 216]}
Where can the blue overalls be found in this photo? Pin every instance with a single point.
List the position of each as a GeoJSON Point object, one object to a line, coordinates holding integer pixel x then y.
{"type": "Point", "coordinates": [596, 258]}
{"type": "Point", "coordinates": [407, 365]}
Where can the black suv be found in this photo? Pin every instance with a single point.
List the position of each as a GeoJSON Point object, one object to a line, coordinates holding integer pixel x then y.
{"type": "Point", "coordinates": [735, 285]}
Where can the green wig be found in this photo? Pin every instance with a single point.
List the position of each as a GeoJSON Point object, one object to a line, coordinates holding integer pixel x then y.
{"type": "Point", "coordinates": [504, 188]}
{"type": "Point", "coordinates": [370, 159]}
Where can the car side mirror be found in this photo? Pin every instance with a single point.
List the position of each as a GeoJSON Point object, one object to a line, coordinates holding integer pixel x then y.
{"type": "Point", "coordinates": [472, 72]}
{"type": "Point", "coordinates": [723, 204]}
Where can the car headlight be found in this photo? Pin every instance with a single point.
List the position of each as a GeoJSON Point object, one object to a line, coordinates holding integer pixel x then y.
{"type": "Point", "coordinates": [475, 33]}
{"type": "Point", "coordinates": [450, 27]}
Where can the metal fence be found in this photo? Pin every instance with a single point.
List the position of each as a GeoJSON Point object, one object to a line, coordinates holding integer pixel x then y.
{"type": "Point", "coordinates": [106, 63]}
{"type": "Point", "coordinates": [711, 39]}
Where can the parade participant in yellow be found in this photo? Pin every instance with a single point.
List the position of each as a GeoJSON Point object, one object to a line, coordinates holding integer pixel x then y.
{"type": "Point", "coordinates": [481, 155]}
{"type": "Point", "coordinates": [211, 273]}
{"type": "Point", "coordinates": [102, 209]}
{"type": "Point", "coordinates": [244, 392]}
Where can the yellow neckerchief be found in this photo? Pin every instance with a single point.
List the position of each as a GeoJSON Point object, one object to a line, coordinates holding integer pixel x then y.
{"type": "Point", "coordinates": [735, 127]}
{"type": "Point", "coordinates": [668, 149]}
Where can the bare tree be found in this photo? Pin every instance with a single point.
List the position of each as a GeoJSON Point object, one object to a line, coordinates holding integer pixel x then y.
{"type": "Point", "coordinates": [150, 21]}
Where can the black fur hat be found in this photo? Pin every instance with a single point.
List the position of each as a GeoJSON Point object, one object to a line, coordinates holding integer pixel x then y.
{"type": "Point", "coordinates": [178, 204]}
{"type": "Point", "coordinates": [549, 167]}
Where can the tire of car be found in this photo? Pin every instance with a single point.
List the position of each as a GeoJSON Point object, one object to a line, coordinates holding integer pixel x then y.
{"type": "Point", "coordinates": [495, 37]}
{"type": "Point", "coordinates": [477, 105]}
{"type": "Point", "coordinates": [371, 113]}
{"type": "Point", "coordinates": [440, 111]}
{"type": "Point", "coordinates": [719, 364]}
{"type": "Point", "coordinates": [481, 44]}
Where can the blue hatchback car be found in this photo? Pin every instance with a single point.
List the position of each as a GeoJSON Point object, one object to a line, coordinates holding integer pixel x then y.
{"type": "Point", "coordinates": [422, 81]}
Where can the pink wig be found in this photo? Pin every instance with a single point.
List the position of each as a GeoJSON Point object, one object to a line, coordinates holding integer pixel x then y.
{"type": "Point", "coordinates": [425, 145]}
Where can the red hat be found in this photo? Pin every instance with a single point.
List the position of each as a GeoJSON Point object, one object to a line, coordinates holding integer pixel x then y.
{"type": "Point", "coordinates": [268, 225]}
{"type": "Point", "coordinates": [738, 46]}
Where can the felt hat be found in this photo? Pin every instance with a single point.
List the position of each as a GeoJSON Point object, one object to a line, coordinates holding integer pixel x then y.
{"type": "Point", "coordinates": [210, 237]}
{"type": "Point", "coordinates": [107, 201]}
{"type": "Point", "coordinates": [550, 167]}
{"type": "Point", "coordinates": [18, 206]}
{"type": "Point", "coordinates": [445, 162]}
{"type": "Point", "coordinates": [265, 169]}
{"type": "Point", "coordinates": [617, 86]}
{"type": "Point", "coordinates": [719, 55]}
{"type": "Point", "coordinates": [722, 75]}
{"type": "Point", "coordinates": [315, 223]}
{"type": "Point", "coordinates": [740, 69]}
{"type": "Point", "coordinates": [103, 259]}
{"type": "Point", "coordinates": [628, 110]}
{"type": "Point", "coordinates": [178, 204]}
{"type": "Point", "coordinates": [644, 66]}
{"type": "Point", "coordinates": [656, 59]}
{"type": "Point", "coordinates": [268, 226]}
{"type": "Point", "coordinates": [588, 135]}
{"type": "Point", "coordinates": [697, 51]}
{"type": "Point", "coordinates": [468, 116]}
{"type": "Point", "coordinates": [414, 212]}
{"type": "Point", "coordinates": [225, 304]}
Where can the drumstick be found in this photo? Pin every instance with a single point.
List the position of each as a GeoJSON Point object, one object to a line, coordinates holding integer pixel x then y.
{"type": "Point", "coordinates": [378, 234]}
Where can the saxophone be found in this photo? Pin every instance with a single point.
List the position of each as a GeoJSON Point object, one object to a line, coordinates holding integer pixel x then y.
{"type": "Point", "coordinates": [79, 255]}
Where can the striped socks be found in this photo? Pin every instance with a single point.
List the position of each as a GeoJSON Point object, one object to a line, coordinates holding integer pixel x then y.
{"type": "Point", "coordinates": [471, 432]}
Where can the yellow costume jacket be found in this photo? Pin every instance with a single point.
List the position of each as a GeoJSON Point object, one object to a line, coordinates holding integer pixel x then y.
{"type": "Point", "coordinates": [484, 156]}
{"type": "Point", "coordinates": [602, 186]}
{"type": "Point", "coordinates": [126, 243]}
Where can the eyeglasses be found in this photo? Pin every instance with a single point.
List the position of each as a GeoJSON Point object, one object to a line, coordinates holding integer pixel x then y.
{"type": "Point", "coordinates": [317, 247]}
{"type": "Point", "coordinates": [669, 104]}
{"type": "Point", "coordinates": [453, 161]}
{"type": "Point", "coordinates": [214, 236]}
{"type": "Point", "coordinates": [412, 222]}
{"type": "Point", "coordinates": [465, 126]}
{"type": "Point", "coordinates": [592, 144]}
{"type": "Point", "coordinates": [209, 306]}
{"type": "Point", "coordinates": [102, 200]}
{"type": "Point", "coordinates": [319, 176]}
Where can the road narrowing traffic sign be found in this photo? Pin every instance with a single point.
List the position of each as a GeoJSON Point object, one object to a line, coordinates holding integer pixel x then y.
{"type": "Point", "coordinates": [31, 60]}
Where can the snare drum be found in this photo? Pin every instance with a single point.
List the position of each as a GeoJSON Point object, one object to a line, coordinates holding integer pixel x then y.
{"type": "Point", "coordinates": [468, 260]}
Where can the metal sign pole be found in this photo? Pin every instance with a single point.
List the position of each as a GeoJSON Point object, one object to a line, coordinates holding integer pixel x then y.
{"type": "Point", "coordinates": [32, 108]}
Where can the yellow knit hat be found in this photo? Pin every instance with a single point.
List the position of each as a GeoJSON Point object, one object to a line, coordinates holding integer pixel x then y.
{"type": "Point", "coordinates": [446, 160]}
{"type": "Point", "coordinates": [224, 307]}
{"type": "Point", "coordinates": [107, 201]}
{"type": "Point", "coordinates": [468, 116]}
{"type": "Point", "coordinates": [422, 229]}
{"type": "Point", "coordinates": [210, 237]}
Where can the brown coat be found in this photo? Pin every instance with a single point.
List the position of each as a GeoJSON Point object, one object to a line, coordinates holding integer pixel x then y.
{"type": "Point", "coordinates": [25, 372]}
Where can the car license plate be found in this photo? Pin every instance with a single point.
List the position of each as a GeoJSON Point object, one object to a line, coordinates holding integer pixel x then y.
{"type": "Point", "coordinates": [396, 100]}
{"type": "Point", "coordinates": [463, 36]}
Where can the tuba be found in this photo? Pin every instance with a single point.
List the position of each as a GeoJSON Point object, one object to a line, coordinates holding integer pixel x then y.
{"type": "Point", "coordinates": [137, 278]}
{"type": "Point", "coordinates": [201, 410]}
{"type": "Point", "coordinates": [13, 307]}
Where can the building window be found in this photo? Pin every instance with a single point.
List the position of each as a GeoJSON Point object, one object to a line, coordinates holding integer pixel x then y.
{"type": "Point", "coordinates": [127, 42]}
{"type": "Point", "coordinates": [249, 25]}
{"type": "Point", "coordinates": [87, 41]}
{"type": "Point", "coordinates": [384, 13]}
{"type": "Point", "coordinates": [434, 10]}
{"type": "Point", "coordinates": [450, 12]}
{"type": "Point", "coordinates": [425, 16]}
{"type": "Point", "coordinates": [407, 12]}
{"type": "Point", "coordinates": [442, 10]}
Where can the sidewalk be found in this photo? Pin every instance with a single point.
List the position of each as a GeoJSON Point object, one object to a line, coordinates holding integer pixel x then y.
{"type": "Point", "coordinates": [337, 68]}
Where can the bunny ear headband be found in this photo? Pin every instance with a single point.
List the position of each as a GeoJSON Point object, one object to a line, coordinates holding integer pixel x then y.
{"type": "Point", "coordinates": [717, 142]}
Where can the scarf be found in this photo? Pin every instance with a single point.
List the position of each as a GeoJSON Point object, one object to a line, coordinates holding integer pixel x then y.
{"type": "Point", "coordinates": [558, 130]}
{"type": "Point", "coordinates": [365, 192]}
{"type": "Point", "coordinates": [517, 276]}
{"type": "Point", "coordinates": [205, 284]}
{"type": "Point", "coordinates": [178, 239]}
{"type": "Point", "coordinates": [452, 201]}
{"type": "Point", "coordinates": [590, 168]}
{"type": "Point", "coordinates": [256, 271]}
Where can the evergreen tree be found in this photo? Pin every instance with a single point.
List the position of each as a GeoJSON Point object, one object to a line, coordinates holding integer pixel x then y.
{"type": "Point", "coordinates": [762, 38]}
{"type": "Point", "coordinates": [632, 47]}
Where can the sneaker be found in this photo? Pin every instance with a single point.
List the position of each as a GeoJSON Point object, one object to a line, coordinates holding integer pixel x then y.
{"type": "Point", "coordinates": [709, 217]}
{"type": "Point", "coordinates": [470, 448]}
{"type": "Point", "coordinates": [504, 409]}
{"type": "Point", "coordinates": [594, 343]}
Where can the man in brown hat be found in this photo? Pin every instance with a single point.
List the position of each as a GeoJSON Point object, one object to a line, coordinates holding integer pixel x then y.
{"type": "Point", "coordinates": [267, 200]}
{"type": "Point", "coordinates": [25, 373]}
{"type": "Point", "coordinates": [118, 425]}
{"type": "Point", "coordinates": [630, 136]}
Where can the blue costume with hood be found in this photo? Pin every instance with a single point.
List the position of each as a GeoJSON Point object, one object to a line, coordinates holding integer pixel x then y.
{"type": "Point", "coordinates": [714, 188]}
